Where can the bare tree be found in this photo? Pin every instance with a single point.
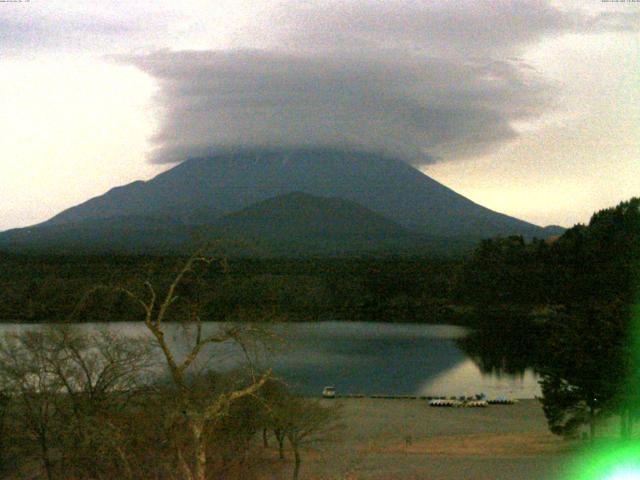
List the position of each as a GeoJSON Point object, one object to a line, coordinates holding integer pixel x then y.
{"type": "Point", "coordinates": [275, 400]}
{"type": "Point", "coordinates": [301, 421]}
{"type": "Point", "coordinates": [5, 401]}
{"type": "Point", "coordinates": [197, 411]}
{"type": "Point", "coordinates": [100, 372]}
{"type": "Point", "coordinates": [33, 389]}
{"type": "Point", "coordinates": [65, 384]}
{"type": "Point", "coordinates": [309, 422]}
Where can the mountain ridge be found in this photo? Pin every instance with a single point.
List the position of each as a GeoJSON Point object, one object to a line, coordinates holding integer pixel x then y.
{"type": "Point", "coordinates": [210, 195]}
{"type": "Point", "coordinates": [293, 224]}
{"type": "Point", "coordinates": [230, 182]}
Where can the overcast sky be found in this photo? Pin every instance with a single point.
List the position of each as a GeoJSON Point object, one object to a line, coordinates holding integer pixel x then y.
{"type": "Point", "coordinates": [530, 107]}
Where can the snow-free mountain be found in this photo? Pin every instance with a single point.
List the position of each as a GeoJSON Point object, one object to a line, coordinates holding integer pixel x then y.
{"type": "Point", "coordinates": [303, 196]}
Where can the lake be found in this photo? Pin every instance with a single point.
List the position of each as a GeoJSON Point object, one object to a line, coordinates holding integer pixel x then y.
{"type": "Point", "coordinates": [360, 358]}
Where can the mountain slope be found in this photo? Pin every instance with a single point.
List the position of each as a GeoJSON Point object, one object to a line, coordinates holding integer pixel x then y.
{"type": "Point", "coordinates": [199, 190]}
{"type": "Point", "coordinates": [127, 234]}
{"type": "Point", "coordinates": [302, 216]}
{"type": "Point", "coordinates": [293, 224]}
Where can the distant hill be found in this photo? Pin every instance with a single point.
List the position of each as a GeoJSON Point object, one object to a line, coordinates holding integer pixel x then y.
{"type": "Point", "coordinates": [298, 223]}
{"type": "Point", "coordinates": [291, 224]}
{"type": "Point", "coordinates": [302, 196]}
{"type": "Point", "coordinates": [303, 216]}
{"type": "Point", "coordinates": [552, 231]}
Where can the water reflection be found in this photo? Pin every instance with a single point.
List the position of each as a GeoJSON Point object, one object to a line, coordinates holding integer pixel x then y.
{"type": "Point", "coordinates": [368, 358]}
{"type": "Point", "coordinates": [467, 379]}
{"type": "Point", "coordinates": [502, 350]}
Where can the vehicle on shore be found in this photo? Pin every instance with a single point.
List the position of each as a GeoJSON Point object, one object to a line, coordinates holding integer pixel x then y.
{"type": "Point", "coordinates": [329, 392]}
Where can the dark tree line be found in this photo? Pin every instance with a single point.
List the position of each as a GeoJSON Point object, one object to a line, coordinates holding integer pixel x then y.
{"type": "Point", "coordinates": [588, 263]}
{"type": "Point", "coordinates": [592, 368]}
{"type": "Point", "coordinates": [573, 305]}
{"type": "Point", "coordinates": [46, 289]}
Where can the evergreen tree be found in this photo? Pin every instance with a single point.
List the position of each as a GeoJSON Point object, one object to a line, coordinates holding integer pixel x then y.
{"type": "Point", "coordinates": [585, 366]}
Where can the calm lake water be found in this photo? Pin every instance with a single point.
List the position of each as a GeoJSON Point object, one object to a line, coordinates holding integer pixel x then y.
{"type": "Point", "coordinates": [359, 358]}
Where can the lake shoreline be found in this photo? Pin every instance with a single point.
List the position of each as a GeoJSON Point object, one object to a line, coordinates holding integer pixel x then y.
{"type": "Point", "coordinates": [384, 439]}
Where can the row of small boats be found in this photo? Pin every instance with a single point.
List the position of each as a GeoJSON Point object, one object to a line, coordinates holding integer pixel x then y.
{"type": "Point", "coordinates": [452, 402]}
{"type": "Point", "coordinates": [479, 400]}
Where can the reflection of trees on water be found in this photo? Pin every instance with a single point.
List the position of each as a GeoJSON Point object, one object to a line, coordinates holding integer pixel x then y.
{"type": "Point", "coordinates": [503, 348]}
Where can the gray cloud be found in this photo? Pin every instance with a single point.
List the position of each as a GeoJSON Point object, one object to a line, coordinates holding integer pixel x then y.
{"type": "Point", "coordinates": [419, 81]}
{"type": "Point", "coordinates": [444, 28]}
{"type": "Point", "coordinates": [465, 27]}
{"type": "Point", "coordinates": [420, 109]}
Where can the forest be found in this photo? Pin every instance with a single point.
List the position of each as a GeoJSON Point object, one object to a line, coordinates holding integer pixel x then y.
{"type": "Point", "coordinates": [41, 289]}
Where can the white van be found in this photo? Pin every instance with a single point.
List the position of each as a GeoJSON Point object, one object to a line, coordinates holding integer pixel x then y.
{"type": "Point", "coordinates": [329, 392]}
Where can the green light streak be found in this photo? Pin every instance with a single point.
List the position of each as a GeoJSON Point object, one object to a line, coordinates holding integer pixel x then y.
{"type": "Point", "coordinates": [620, 459]}
{"type": "Point", "coordinates": [616, 460]}
{"type": "Point", "coordinates": [624, 474]}
{"type": "Point", "coordinates": [613, 461]}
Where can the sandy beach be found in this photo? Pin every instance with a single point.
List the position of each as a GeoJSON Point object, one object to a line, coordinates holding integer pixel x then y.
{"type": "Point", "coordinates": [389, 439]}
